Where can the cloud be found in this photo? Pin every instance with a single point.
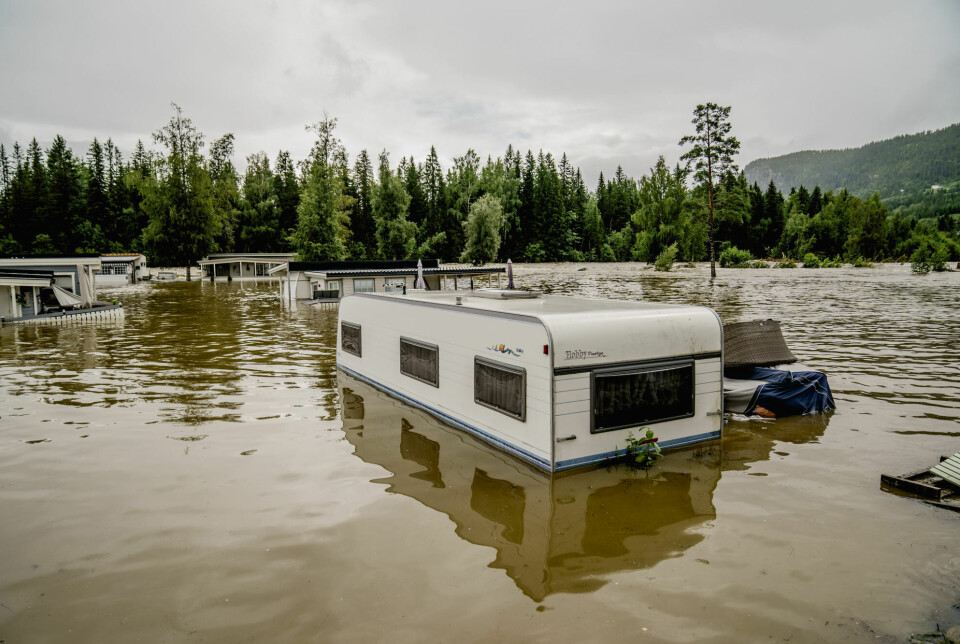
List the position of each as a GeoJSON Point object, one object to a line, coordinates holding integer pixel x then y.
{"type": "Point", "coordinates": [612, 83]}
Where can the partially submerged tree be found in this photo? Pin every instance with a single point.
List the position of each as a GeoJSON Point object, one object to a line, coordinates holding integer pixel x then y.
{"type": "Point", "coordinates": [712, 157]}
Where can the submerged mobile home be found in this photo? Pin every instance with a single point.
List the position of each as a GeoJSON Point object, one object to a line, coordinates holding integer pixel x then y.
{"type": "Point", "coordinates": [242, 265]}
{"type": "Point", "coordinates": [557, 381]}
{"type": "Point", "coordinates": [120, 269]}
{"type": "Point", "coordinates": [51, 289]}
{"type": "Point", "coordinates": [333, 280]}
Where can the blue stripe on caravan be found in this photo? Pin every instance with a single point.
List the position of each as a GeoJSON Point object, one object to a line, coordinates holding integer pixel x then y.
{"type": "Point", "coordinates": [520, 453]}
{"type": "Point", "coordinates": [599, 458]}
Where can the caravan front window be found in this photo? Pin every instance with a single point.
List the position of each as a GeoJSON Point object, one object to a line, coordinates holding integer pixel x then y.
{"type": "Point", "coordinates": [641, 396]}
{"type": "Point", "coordinates": [501, 387]}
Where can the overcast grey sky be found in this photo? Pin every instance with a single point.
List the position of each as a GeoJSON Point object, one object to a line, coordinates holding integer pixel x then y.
{"type": "Point", "coordinates": [607, 82]}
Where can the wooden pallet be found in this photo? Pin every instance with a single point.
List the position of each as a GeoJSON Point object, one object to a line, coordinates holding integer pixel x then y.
{"type": "Point", "coordinates": [928, 485]}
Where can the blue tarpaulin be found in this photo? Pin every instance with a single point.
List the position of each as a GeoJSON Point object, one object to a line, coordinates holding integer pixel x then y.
{"type": "Point", "coordinates": [786, 393]}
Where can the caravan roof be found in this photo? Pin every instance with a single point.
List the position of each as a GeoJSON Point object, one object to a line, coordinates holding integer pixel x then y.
{"type": "Point", "coordinates": [586, 330]}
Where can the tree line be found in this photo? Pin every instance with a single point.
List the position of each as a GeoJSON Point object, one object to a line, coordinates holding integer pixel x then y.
{"type": "Point", "coordinates": [180, 201]}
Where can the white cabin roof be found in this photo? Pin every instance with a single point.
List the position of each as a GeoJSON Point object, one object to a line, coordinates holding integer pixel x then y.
{"type": "Point", "coordinates": [51, 260]}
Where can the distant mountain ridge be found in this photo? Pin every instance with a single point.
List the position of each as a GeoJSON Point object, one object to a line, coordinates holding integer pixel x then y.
{"type": "Point", "coordinates": [909, 163]}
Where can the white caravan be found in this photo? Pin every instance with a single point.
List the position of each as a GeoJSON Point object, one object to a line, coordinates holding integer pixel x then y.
{"type": "Point", "coordinates": [560, 382]}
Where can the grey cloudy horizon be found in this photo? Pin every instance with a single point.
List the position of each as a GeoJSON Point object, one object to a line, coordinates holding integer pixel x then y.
{"type": "Point", "coordinates": [611, 83]}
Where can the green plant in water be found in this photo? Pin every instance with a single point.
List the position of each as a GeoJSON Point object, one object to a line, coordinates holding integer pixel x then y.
{"type": "Point", "coordinates": [664, 261]}
{"type": "Point", "coordinates": [733, 257]}
{"type": "Point", "coordinates": [811, 261]}
{"type": "Point", "coordinates": [643, 452]}
{"type": "Point", "coordinates": [785, 263]}
{"type": "Point", "coordinates": [832, 263]}
{"type": "Point", "coordinates": [928, 257]}
{"type": "Point", "coordinates": [860, 262]}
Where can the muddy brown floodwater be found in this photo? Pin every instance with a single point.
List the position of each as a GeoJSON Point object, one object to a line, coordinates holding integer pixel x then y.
{"type": "Point", "coordinates": [200, 473]}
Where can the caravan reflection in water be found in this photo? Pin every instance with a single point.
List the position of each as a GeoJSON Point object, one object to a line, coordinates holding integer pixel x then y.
{"type": "Point", "coordinates": [561, 533]}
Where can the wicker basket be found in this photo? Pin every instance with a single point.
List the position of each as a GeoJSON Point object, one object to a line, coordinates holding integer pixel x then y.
{"type": "Point", "coordinates": [758, 343]}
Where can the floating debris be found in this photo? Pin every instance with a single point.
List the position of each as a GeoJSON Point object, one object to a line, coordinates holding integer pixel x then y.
{"type": "Point", "coordinates": [929, 484]}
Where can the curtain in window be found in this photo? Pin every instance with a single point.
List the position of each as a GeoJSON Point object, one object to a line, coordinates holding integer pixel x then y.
{"type": "Point", "coordinates": [500, 387]}
{"type": "Point", "coordinates": [419, 361]}
{"type": "Point", "coordinates": [350, 338]}
{"type": "Point", "coordinates": [630, 399]}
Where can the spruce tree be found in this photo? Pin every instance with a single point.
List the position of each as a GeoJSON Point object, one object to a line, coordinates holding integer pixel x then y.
{"type": "Point", "coordinates": [68, 228]}
{"type": "Point", "coordinates": [97, 205]}
{"type": "Point", "coordinates": [712, 155]}
{"type": "Point", "coordinates": [258, 219]}
{"type": "Point", "coordinates": [323, 212]}
{"type": "Point", "coordinates": [396, 237]}
{"type": "Point", "coordinates": [362, 224]}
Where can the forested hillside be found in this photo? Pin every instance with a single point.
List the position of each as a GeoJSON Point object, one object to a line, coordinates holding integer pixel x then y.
{"type": "Point", "coordinates": [919, 173]}
{"type": "Point", "coordinates": [186, 197]}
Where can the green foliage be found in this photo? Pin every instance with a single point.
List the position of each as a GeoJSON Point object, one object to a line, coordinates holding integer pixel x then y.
{"type": "Point", "coordinates": [836, 262]}
{"type": "Point", "coordinates": [666, 215]}
{"type": "Point", "coordinates": [535, 252]}
{"type": "Point", "coordinates": [258, 223]}
{"type": "Point", "coordinates": [811, 261]}
{"type": "Point", "coordinates": [712, 156]}
{"type": "Point", "coordinates": [396, 237]}
{"type": "Point", "coordinates": [619, 243]}
{"type": "Point", "coordinates": [865, 229]}
{"type": "Point", "coordinates": [665, 259]}
{"type": "Point", "coordinates": [733, 257]}
{"type": "Point", "coordinates": [860, 262]}
{"type": "Point", "coordinates": [643, 452]}
{"type": "Point", "coordinates": [224, 192]}
{"type": "Point", "coordinates": [929, 256]}
{"type": "Point", "coordinates": [323, 211]}
{"type": "Point", "coordinates": [179, 202]}
{"type": "Point", "coordinates": [483, 231]}
{"type": "Point", "coordinates": [177, 205]}
{"type": "Point", "coordinates": [43, 245]}
{"type": "Point", "coordinates": [785, 263]}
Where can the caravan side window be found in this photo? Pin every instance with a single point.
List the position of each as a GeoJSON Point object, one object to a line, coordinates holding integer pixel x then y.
{"type": "Point", "coordinates": [350, 338]}
{"type": "Point", "coordinates": [641, 396]}
{"type": "Point", "coordinates": [420, 361]}
{"type": "Point", "coordinates": [501, 387]}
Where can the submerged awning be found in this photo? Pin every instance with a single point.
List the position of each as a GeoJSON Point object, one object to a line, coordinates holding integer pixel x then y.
{"type": "Point", "coordinates": [65, 297]}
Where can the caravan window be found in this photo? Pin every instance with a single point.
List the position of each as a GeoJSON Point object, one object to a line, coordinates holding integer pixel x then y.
{"type": "Point", "coordinates": [350, 338]}
{"type": "Point", "coordinates": [641, 396]}
{"type": "Point", "coordinates": [393, 285]}
{"type": "Point", "coordinates": [420, 361]}
{"type": "Point", "coordinates": [501, 387]}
